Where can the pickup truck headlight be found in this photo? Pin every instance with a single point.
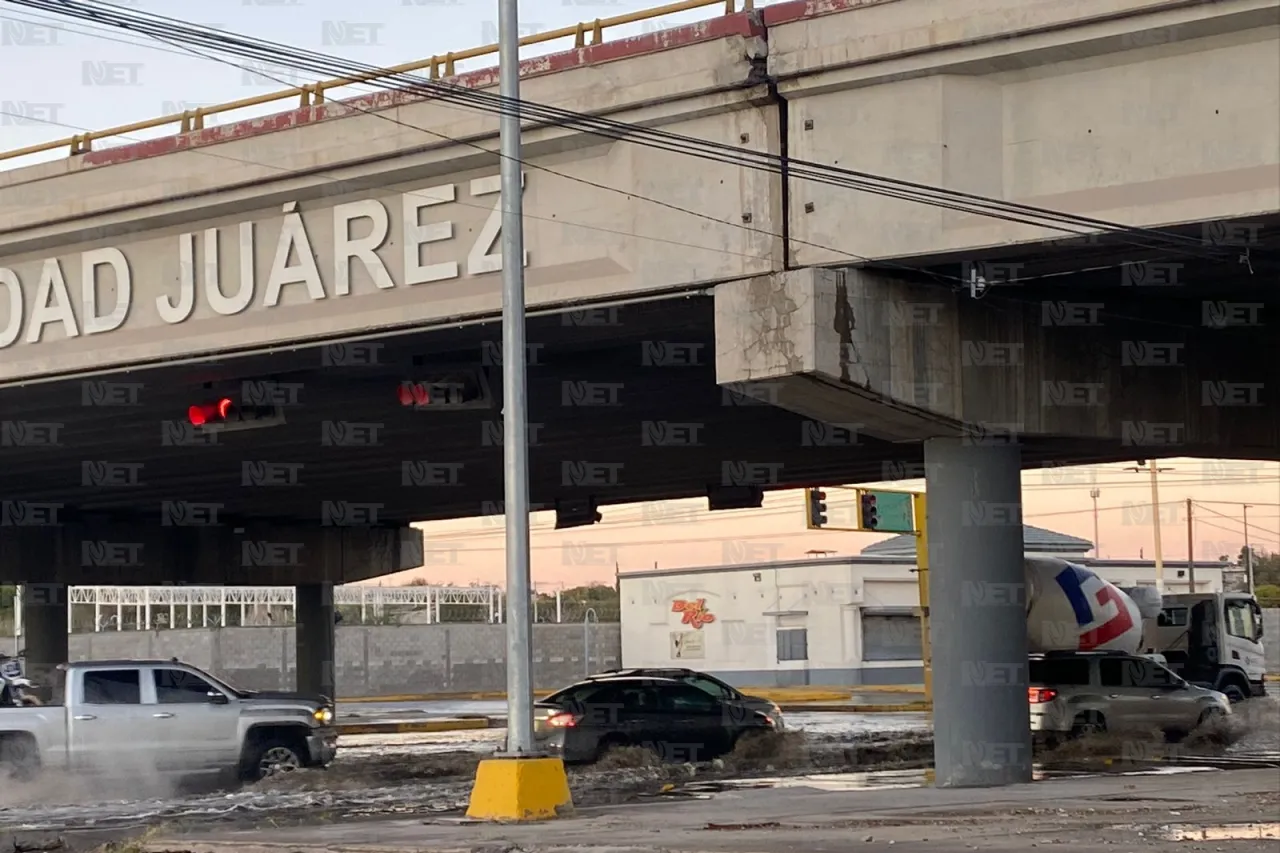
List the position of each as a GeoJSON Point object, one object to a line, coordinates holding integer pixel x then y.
{"type": "Point", "coordinates": [323, 716]}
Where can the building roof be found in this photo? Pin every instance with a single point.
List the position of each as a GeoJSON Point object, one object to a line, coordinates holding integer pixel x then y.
{"type": "Point", "coordinates": [1036, 540]}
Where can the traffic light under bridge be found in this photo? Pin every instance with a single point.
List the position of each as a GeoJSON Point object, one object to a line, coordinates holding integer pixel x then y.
{"type": "Point", "coordinates": [816, 506]}
{"type": "Point", "coordinates": [886, 512]}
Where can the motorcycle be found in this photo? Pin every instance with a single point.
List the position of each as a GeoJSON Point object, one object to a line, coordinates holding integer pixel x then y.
{"type": "Point", "coordinates": [16, 690]}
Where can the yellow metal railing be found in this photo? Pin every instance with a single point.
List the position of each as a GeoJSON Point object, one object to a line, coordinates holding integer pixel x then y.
{"type": "Point", "coordinates": [312, 94]}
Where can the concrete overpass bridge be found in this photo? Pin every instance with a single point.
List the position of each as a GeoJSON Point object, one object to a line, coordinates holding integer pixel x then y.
{"type": "Point", "coordinates": [698, 328]}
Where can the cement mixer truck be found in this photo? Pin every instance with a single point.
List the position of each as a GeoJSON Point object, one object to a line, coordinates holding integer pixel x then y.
{"type": "Point", "coordinates": [1212, 640]}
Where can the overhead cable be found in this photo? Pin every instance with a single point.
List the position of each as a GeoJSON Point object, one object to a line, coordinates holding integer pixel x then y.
{"type": "Point", "coordinates": [170, 30]}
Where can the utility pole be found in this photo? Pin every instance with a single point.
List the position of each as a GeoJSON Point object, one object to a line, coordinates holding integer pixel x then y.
{"type": "Point", "coordinates": [1248, 553]}
{"type": "Point", "coordinates": [517, 784]}
{"type": "Point", "coordinates": [1155, 519]}
{"type": "Point", "coordinates": [1095, 493]}
{"type": "Point", "coordinates": [1191, 554]}
{"type": "Point", "coordinates": [514, 405]}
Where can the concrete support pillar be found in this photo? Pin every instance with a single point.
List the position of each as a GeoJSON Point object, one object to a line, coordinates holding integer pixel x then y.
{"type": "Point", "coordinates": [45, 637]}
{"type": "Point", "coordinates": [315, 638]}
{"type": "Point", "coordinates": [978, 619]}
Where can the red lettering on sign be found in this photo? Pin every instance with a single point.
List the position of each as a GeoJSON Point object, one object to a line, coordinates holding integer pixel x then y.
{"type": "Point", "coordinates": [695, 612]}
{"type": "Point", "coordinates": [1114, 627]}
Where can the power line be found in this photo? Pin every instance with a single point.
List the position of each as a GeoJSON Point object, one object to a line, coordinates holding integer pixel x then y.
{"type": "Point", "coordinates": [1236, 533]}
{"type": "Point", "coordinates": [1241, 521]}
{"type": "Point", "coordinates": [635, 519]}
{"type": "Point", "coordinates": [377, 185]}
{"type": "Point", "coordinates": [388, 83]}
{"type": "Point", "coordinates": [167, 30]}
{"type": "Point", "coordinates": [607, 525]}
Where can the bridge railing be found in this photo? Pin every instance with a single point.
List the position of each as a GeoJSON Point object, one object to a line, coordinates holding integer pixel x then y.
{"type": "Point", "coordinates": [314, 93]}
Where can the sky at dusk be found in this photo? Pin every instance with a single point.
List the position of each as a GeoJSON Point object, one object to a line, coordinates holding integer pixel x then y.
{"type": "Point", "coordinates": [676, 534]}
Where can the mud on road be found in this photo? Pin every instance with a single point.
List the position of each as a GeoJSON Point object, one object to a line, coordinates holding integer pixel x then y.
{"type": "Point", "coordinates": [405, 781]}
{"type": "Point", "coordinates": [394, 783]}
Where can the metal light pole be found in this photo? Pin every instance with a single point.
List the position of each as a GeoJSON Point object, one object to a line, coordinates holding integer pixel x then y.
{"type": "Point", "coordinates": [514, 405]}
{"type": "Point", "coordinates": [1248, 553]}
{"type": "Point", "coordinates": [587, 619]}
{"type": "Point", "coordinates": [1155, 471]}
{"type": "Point", "coordinates": [1097, 548]}
{"type": "Point", "coordinates": [1191, 545]}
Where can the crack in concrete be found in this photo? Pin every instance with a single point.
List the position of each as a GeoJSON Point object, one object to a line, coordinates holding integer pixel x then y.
{"type": "Point", "coordinates": [772, 303]}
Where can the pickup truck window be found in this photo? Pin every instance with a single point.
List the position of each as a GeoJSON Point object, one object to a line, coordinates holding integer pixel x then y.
{"type": "Point", "coordinates": [177, 686]}
{"type": "Point", "coordinates": [112, 687]}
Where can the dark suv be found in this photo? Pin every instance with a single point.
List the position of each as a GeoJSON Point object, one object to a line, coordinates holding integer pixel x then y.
{"type": "Point", "coordinates": [676, 720]}
{"type": "Point", "coordinates": [707, 683]}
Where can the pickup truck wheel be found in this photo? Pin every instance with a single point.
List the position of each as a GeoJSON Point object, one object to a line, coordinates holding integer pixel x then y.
{"type": "Point", "coordinates": [272, 756]}
{"type": "Point", "coordinates": [19, 759]}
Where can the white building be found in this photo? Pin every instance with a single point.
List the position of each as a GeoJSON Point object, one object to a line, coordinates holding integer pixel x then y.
{"type": "Point", "coordinates": [844, 620]}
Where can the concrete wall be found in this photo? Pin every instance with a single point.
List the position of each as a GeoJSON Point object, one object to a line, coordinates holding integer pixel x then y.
{"type": "Point", "coordinates": [372, 661]}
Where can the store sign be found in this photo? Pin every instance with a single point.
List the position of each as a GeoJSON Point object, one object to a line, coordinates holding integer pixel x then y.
{"type": "Point", "coordinates": [695, 613]}
{"type": "Point", "coordinates": [688, 645]}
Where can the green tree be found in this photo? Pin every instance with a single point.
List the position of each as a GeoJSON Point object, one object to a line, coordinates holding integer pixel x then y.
{"type": "Point", "coordinates": [1266, 566]}
{"type": "Point", "coordinates": [1268, 594]}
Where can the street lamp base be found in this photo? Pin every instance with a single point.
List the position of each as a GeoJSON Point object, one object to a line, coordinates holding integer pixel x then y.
{"type": "Point", "coordinates": [518, 789]}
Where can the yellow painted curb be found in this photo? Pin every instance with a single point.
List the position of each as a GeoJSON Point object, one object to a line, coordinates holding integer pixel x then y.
{"type": "Point", "coordinates": [416, 727]}
{"type": "Point", "coordinates": [852, 708]}
{"type": "Point", "coordinates": [437, 697]}
{"type": "Point", "coordinates": [774, 694]}
{"type": "Point", "coordinates": [520, 789]}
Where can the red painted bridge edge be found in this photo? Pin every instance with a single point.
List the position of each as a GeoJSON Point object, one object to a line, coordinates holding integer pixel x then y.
{"type": "Point", "coordinates": [753, 24]}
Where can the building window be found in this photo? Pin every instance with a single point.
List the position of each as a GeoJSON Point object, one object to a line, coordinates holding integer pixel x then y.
{"type": "Point", "coordinates": [891, 636]}
{"type": "Point", "coordinates": [793, 644]}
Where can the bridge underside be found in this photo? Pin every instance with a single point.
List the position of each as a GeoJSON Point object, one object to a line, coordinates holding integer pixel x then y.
{"type": "Point", "coordinates": [624, 407]}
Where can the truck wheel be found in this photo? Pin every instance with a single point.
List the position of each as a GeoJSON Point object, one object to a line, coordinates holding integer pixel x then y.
{"type": "Point", "coordinates": [19, 759]}
{"type": "Point", "coordinates": [1235, 692]}
{"type": "Point", "coordinates": [271, 756]}
{"type": "Point", "coordinates": [1088, 723]}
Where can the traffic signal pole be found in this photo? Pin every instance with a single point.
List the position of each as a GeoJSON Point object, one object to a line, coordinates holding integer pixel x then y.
{"type": "Point", "coordinates": [919, 504]}
{"type": "Point", "coordinates": [871, 505]}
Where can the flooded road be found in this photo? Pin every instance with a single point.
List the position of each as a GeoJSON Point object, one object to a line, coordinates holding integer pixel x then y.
{"type": "Point", "coordinates": [409, 774]}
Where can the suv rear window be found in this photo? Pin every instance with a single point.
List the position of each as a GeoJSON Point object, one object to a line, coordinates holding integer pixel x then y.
{"type": "Point", "coordinates": [1063, 671]}
{"type": "Point", "coordinates": [574, 692]}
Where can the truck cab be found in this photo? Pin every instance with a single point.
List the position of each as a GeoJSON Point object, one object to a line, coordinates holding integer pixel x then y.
{"type": "Point", "coordinates": [129, 717]}
{"type": "Point", "coordinates": [1213, 640]}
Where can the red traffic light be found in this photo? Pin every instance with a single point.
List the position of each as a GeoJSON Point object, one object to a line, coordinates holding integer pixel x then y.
{"type": "Point", "coordinates": [413, 394]}
{"type": "Point", "coordinates": [208, 413]}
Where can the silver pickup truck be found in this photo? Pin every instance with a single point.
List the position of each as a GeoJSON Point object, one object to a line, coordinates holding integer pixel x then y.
{"type": "Point", "coordinates": [127, 717]}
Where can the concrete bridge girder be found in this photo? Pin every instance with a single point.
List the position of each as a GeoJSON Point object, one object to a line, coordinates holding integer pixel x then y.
{"type": "Point", "coordinates": [908, 362]}
{"type": "Point", "coordinates": [1041, 103]}
{"type": "Point", "coordinates": [198, 551]}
